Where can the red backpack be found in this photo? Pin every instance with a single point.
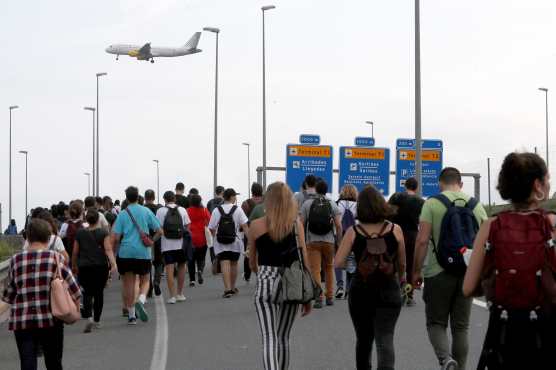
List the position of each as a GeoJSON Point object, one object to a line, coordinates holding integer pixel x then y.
{"type": "Point", "coordinates": [520, 261]}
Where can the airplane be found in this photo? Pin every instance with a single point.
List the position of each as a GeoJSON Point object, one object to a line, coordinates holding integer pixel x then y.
{"type": "Point", "coordinates": [146, 52]}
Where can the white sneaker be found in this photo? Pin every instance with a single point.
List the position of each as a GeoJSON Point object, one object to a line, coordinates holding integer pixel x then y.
{"type": "Point", "coordinates": [450, 364]}
{"type": "Point", "coordinates": [180, 298]}
{"type": "Point", "coordinates": [171, 300]}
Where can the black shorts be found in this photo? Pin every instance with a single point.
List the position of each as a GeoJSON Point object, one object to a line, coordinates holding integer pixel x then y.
{"type": "Point", "coordinates": [228, 256]}
{"type": "Point", "coordinates": [175, 256]}
{"type": "Point", "coordinates": [135, 265]}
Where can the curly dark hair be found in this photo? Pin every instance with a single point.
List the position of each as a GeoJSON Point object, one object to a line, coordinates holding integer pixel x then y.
{"type": "Point", "coordinates": [518, 174]}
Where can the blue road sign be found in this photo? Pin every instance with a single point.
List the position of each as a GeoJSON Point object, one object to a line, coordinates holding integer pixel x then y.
{"type": "Point", "coordinates": [303, 160]}
{"type": "Point", "coordinates": [361, 166]}
{"type": "Point", "coordinates": [432, 155]}
{"type": "Point", "coordinates": [309, 139]}
{"type": "Point", "coordinates": [364, 141]}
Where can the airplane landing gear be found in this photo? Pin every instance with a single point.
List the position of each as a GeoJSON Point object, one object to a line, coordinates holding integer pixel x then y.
{"type": "Point", "coordinates": [152, 60]}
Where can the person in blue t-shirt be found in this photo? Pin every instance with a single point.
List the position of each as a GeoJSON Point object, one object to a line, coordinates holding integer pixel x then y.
{"type": "Point", "coordinates": [134, 258]}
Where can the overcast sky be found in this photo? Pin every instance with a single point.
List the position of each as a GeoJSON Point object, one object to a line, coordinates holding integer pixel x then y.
{"type": "Point", "coordinates": [331, 65]}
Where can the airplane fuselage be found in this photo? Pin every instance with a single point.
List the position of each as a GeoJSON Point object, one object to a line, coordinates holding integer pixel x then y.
{"type": "Point", "coordinates": [155, 52]}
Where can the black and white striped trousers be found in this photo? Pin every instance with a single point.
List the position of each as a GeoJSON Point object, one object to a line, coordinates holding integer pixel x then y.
{"type": "Point", "coordinates": [275, 320]}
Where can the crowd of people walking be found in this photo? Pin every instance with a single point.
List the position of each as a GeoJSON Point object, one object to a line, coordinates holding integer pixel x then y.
{"type": "Point", "coordinates": [364, 248]}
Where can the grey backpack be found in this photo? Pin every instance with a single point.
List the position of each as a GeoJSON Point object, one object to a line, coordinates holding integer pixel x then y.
{"type": "Point", "coordinates": [296, 284]}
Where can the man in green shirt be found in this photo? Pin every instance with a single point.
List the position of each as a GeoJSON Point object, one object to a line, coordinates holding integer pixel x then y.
{"type": "Point", "coordinates": [443, 296]}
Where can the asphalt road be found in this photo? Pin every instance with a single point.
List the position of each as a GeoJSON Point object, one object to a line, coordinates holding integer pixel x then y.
{"type": "Point", "coordinates": [208, 332]}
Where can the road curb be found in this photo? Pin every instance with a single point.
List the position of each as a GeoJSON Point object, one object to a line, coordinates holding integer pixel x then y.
{"type": "Point", "coordinates": [4, 307]}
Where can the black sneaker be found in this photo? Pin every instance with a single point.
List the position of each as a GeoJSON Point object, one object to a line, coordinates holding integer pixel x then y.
{"type": "Point", "coordinates": [329, 302]}
{"type": "Point", "coordinates": [340, 293]}
{"type": "Point", "coordinates": [228, 294]}
{"type": "Point", "coordinates": [132, 321]}
{"type": "Point", "coordinates": [88, 327]}
{"type": "Point", "coordinates": [318, 304]}
{"type": "Point", "coordinates": [192, 284]}
{"type": "Point", "coordinates": [157, 291]}
{"type": "Point", "coordinates": [200, 278]}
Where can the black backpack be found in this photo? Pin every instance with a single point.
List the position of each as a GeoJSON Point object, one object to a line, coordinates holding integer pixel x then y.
{"type": "Point", "coordinates": [173, 224]}
{"type": "Point", "coordinates": [226, 233]}
{"type": "Point", "coordinates": [320, 216]}
{"type": "Point", "coordinates": [457, 234]}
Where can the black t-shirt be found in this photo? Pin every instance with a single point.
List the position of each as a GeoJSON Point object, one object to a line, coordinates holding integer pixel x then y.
{"type": "Point", "coordinates": [278, 254]}
{"type": "Point", "coordinates": [408, 208]}
{"type": "Point", "coordinates": [214, 203]}
{"type": "Point", "coordinates": [91, 247]}
{"type": "Point", "coordinates": [182, 201]}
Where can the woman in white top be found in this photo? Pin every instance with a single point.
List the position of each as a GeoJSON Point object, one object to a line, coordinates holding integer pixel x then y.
{"type": "Point", "coordinates": [55, 243]}
{"type": "Point", "coordinates": [347, 204]}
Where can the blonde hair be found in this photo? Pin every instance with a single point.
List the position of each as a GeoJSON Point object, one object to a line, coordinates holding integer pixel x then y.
{"type": "Point", "coordinates": [348, 192]}
{"type": "Point", "coordinates": [281, 211]}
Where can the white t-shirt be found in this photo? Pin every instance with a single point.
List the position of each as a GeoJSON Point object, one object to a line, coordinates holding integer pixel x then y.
{"type": "Point", "coordinates": [171, 244]}
{"type": "Point", "coordinates": [58, 245]}
{"type": "Point", "coordinates": [347, 204]}
{"type": "Point", "coordinates": [239, 219]}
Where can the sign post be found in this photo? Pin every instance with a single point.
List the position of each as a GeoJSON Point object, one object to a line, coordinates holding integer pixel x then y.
{"type": "Point", "coordinates": [362, 166]}
{"type": "Point", "coordinates": [432, 157]}
{"type": "Point", "coordinates": [303, 160]}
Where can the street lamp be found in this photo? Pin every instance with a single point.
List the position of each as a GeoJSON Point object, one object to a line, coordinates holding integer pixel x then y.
{"type": "Point", "coordinates": [157, 179]}
{"type": "Point", "coordinates": [97, 189]}
{"type": "Point", "coordinates": [248, 167]}
{"type": "Point", "coordinates": [91, 109]}
{"type": "Point", "coordinates": [372, 128]}
{"type": "Point", "coordinates": [26, 182]}
{"type": "Point", "coordinates": [418, 159]}
{"type": "Point", "coordinates": [546, 106]}
{"type": "Point", "coordinates": [88, 182]}
{"type": "Point", "coordinates": [264, 9]}
{"type": "Point", "coordinates": [10, 176]}
{"type": "Point", "coordinates": [215, 179]}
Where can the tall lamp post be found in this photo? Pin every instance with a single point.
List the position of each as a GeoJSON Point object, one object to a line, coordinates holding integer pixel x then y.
{"type": "Point", "coordinates": [248, 167]}
{"type": "Point", "coordinates": [88, 182]}
{"type": "Point", "coordinates": [10, 176]}
{"type": "Point", "coordinates": [215, 178]}
{"type": "Point", "coordinates": [157, 179]}
{"type": "Point", "coordinates": [26, 181]}
{"type": "Point", "coordinates": [264, 9]}
{"type": "Point", "coordinates": [91, 109]}
{"type": "Point", "coordinates": [372, 128]}
{"type": "Point", "coordinates": [546, 109]}
{"type": "Point", "coordinates": [97, 183]}
{"type": "Point", "coordinates": [418, 139]}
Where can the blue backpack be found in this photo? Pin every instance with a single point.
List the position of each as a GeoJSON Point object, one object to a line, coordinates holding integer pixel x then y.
{"type": "Point", "coordinates": [348, 219]}
{"type": "Point", "coordinates": [457, 234]}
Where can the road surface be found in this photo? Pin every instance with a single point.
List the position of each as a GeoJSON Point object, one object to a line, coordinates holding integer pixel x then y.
{"type": "Point", "coordinates": [208, 332]}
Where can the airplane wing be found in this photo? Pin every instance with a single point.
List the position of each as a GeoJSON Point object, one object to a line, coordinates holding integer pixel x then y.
{"type": "Point", "coordinates": [145, 50]}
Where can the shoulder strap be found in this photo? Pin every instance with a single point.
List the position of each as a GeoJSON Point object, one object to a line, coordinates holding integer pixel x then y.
{"type": "Point", "coordinates": [221, 210]}
{"type": "Point", "coordinates": [232, 210]}
{"type": "Point", "coordinates": [133, 220]}
{"type": "Point", "coordinates": [472, 203]}
{"type": "Point", "coordinates": [443, 199]}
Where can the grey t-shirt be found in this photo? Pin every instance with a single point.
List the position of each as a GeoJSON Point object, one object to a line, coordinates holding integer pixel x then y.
{"type": "Point", "coordinates": [309, 236]}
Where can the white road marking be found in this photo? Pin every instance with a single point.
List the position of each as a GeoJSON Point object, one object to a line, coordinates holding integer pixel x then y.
{"type": "Point", "coordinates": [160, 350]}
{"type": "Point", "coordinates": [480, 303]}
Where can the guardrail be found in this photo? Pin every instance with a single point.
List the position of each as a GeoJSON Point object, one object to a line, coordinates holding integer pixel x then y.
{"type": "Point", "coordinates": [4, 271]}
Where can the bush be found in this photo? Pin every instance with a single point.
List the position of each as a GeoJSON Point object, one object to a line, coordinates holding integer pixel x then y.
{"type": "Point", "coordinates": [6, 251]}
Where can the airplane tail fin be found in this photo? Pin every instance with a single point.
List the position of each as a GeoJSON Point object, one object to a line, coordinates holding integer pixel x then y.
{"type": "Point", "coordinates": [193, 41]}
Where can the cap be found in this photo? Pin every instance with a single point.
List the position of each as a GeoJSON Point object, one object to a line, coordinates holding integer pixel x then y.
{"type": "Point", "coordinates": [228, 193]}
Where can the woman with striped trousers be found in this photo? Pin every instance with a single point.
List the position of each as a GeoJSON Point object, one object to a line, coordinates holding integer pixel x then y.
{"type": "Point", "coordinates": [273, 244]}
